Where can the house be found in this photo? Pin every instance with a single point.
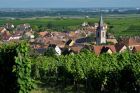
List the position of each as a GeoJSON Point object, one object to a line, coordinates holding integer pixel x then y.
{"type": "Point", "coordinates": [73, 35]}
{"type": "Point", "coordinates": [9, 26]}
{"type": "Point", "coordinates": [42, 34]}
{"type": "Point", "coordinates": [104, 49]}
{"type": "Point", "coordinates": [97, 49]}
{"type": "Point", "coordinates": [23, 27]}
{"type": "Point", "coordinates": [75, 49]}
{"type": "Point", "coordinates": [87, 47]}
{"type": "Point", "coordinates": [120, 47]}
{"type": "Point", "coordinates": [95, 25]}
{"type": "Point", "coordinates": [5, 36]}
{"type": "Point", "coordinates": [70, 42]}
{"type": "Point", "coordinates": [2, 29]}
{"type": "Point", "coordinates": [130, 42]}
{"type": "Point", "coordinates": [42, 49]}
{"type": "Point", "coordinates": [85, 40]}
{"type": "Point", "coordinates": [59, 43]}
{"type": "Point", "coordinates": [84, 24]}
{"type": "Point", "coordinates": [89, 30]}
{"type": "Point", "coordinates": [136, 49]}
{"type": "Point", "coordinates": [14, 37]}
{"type": "Point", "coordinates": [19, 33]}
{"type": "Point", "coordinates": [58, 36]}
{"type": "Point", "coordinates": [72, 50]}
{"type": "Point", "coordinates": [41, 40]}
{"type": "Point", "coordinates": [29, 35]}
{"type": "Point", "coordinates": [110, 36]}
{"type": "Point", "coordinates": [110, 49]}
{"type": "Point", "coordinates": [113, 41]}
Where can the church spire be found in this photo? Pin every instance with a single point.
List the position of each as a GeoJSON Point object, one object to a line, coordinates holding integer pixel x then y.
{"type": "Point", "coordinates": [101, 32]}
{"type": "Point", "coordinates": [101, 23]}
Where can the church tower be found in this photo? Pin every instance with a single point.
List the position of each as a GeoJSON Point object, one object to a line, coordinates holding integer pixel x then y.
{"type": "Point", "coordinates": [101, 32]}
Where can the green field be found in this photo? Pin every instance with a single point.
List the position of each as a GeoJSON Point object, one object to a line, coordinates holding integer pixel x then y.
{"type": "Point", "coordinates": [119, 26]}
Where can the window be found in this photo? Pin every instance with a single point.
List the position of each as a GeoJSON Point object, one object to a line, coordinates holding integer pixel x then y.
{"type": "Point", "coordinates": [98, 34]}
{"type": "Point", "coordinates": [103, 34]}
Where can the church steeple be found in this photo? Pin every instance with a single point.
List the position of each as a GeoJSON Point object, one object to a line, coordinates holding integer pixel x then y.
{"type": "Point", "coordinates": [101, 32]}
{"type": "Point", "coordinates": [101, 23]}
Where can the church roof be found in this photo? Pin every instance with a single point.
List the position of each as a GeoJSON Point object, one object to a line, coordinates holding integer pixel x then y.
{"type": "Point", "coordinates": [101, 22]}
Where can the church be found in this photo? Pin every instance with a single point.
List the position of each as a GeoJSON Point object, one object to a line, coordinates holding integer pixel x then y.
{"type": "Point", "coordinates": [101, 32]}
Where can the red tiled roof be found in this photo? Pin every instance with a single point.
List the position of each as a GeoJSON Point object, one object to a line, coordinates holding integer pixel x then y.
{"type": "Point", "coordinates": [136, 49]}
{"type": "Point", "coordinates": [42, 33]}
{"type": "Point", "coordinates": [130, 41]}
{"type": "Point", "coordinates": [101, 49]}
{"type": "Point", "coordinates": [119, 47]}
{"type": "Point", "coordinates": [2, 28]}
{"type": "Point", "coordinates": [6, 35]}
{"type": "Point", "coordinates": [58, 43]}
{"type": "Point", "coordinates": [97, 49]}
{"type": "Point", "coordinates": [76, 49]}
{"type": "Point", "coordinates": [112, 47]}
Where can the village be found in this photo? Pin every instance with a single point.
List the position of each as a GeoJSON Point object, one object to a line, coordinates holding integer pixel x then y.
{"type": "Point", "coordinates": [95, 38]}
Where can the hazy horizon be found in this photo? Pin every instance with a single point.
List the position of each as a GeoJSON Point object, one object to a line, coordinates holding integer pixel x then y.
{"type": "Point", "coordinates": [69, 3]}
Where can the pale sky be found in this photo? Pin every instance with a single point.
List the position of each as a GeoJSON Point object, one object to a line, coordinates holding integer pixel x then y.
{"type": "Point", "coordinates": [67, 3]}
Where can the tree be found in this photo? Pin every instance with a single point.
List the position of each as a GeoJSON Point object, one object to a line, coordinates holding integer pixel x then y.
{"type": "Point", "coordinates": [35, 28]}
{"type": "Point", "coordinates": [49, 25]}
{"type": "Point", "coordinates": [41, 28]}
{"type": "Point", "coordinates": [50, 52]}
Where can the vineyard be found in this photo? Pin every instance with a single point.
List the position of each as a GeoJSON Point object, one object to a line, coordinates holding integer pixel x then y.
{"type": "Point", "coordinates": [119, 26]}
{"type": "Point", "coordinates": [134, 30]}
{"type": "Point", "coordinates": [80, 73]}
{"type": "Point", "coordinates": [15, 68]}
{"type": "Point", "coordinates": [86, 73]}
